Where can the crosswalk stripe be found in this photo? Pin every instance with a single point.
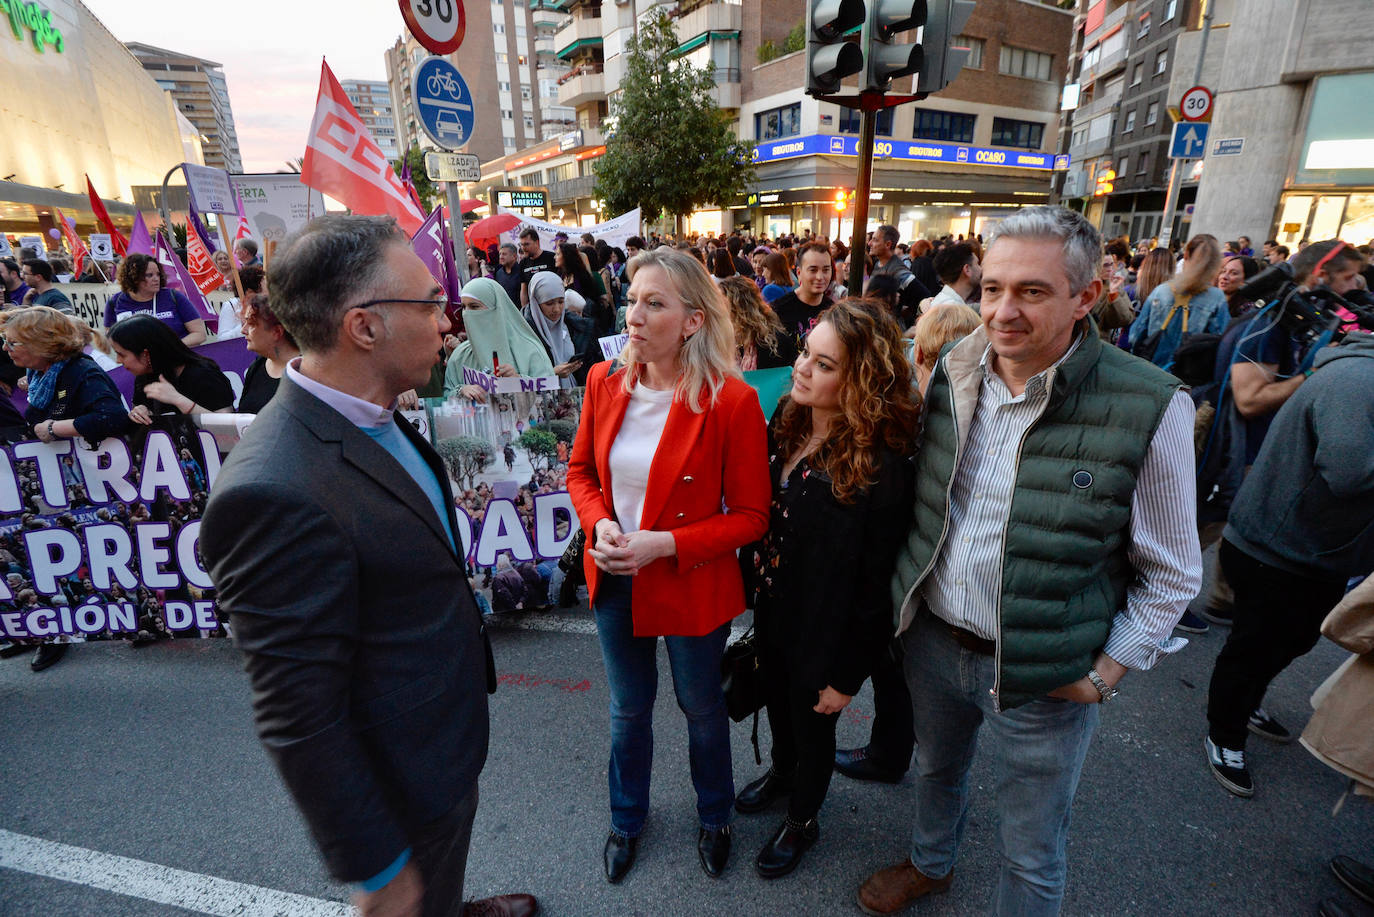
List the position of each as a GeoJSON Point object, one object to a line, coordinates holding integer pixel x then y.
{"type": "Point", "coordinates": [153, 882]}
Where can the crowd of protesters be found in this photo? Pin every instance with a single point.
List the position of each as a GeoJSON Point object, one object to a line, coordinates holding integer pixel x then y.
{"type": "Point", "coordinates": [694, 509]}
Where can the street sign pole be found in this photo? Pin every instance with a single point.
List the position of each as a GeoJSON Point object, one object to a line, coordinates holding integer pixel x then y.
{"type": "Point", "coordinates": [1166, 232]}
{"type": "Point", "coordinates": [455, 231]}
{"type": "Point", "coordinates": [858, 240]}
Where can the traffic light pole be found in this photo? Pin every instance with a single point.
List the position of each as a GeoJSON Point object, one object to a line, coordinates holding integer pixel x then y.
{"type": "Point", "coordinates": [858, 240]}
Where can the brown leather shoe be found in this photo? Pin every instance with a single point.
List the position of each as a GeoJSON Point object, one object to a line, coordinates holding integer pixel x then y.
{"type": "Point", "coordinates": [890, 890]}
{"type": "Point", "coordinates": [502, 906]}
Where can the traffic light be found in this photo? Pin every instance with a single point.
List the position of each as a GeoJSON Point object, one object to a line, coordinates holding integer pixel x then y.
{"type": "Point", "coordinates": [945, 19]}
{"type": "Point", "coordinates": [1104, 182]}
{"type": "Point", "coordinates": [829, 57]}
{"type": "Point", "coordinates": [886, 61]}
{"type": "Point", "coordinates": [841, 200]}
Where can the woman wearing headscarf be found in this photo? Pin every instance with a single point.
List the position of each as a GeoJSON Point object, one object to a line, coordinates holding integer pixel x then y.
{"type": "Point", "coordinates": [569, 340]}
{"type": "Point", "coordinates": [500, 341]}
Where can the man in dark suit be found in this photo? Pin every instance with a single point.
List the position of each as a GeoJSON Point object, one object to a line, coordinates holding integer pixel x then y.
{"type": "Point", "coordinates": [330, 537]}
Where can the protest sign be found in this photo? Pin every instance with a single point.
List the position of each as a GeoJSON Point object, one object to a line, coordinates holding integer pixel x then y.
{"type": "Point", "coordinates": [276, 204]}
{"type": "Point", "coordinates": [615, 232]}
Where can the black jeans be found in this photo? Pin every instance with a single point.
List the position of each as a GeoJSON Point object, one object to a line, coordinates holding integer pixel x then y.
{"type": "Point", "coordinates": [803, 740]}
{"type": "Point", "coordinates": [893, 737]}
{"type": "Point", "coordinates": [1278, 617]}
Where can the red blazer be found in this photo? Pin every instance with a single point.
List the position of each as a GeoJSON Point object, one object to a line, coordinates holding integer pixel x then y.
{"type": "Point", "coordinates": [703, 461]}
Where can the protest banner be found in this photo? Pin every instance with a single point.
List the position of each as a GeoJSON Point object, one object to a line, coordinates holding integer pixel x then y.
{"type": "Point", "coordinates": [615, 231]}
{"type": "Point", "coordinates": [275, 204]}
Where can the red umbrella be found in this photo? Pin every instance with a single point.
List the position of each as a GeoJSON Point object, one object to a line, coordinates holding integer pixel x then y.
{"type": "Point", "coordinates": [468, 204]}
{"type": "Point", "coordinates": [490, 228]}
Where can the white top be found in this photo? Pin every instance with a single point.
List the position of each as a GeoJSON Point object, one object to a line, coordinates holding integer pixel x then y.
{"type": "Point", "coordinates": [632, 453]}
{"type": "Point", "coordinates": [947, 296]}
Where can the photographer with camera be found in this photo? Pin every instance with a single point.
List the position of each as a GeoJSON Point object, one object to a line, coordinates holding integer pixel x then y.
{"type": "Point", "coordinates": [1301, 526]}
{"type": "Point", "coordinates": [1260, 364]}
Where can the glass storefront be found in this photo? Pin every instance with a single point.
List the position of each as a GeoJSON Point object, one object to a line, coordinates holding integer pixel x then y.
{"type": "Point", "coordinates": [1348, 216]}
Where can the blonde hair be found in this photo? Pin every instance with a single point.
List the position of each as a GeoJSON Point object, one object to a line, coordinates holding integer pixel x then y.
{"type": "Point", "coordinates": [51, 334]}
{"type": "Point", "coordinates": [1201, 261]}
{"type": "Point", "coordinates": [755, 323]}
{"type": "Point", "coordinates": [939, 326]}
{"type": "Point", "coordinates": [1157, 268]}
{"type": "Point", "coordinates": [708, 356]}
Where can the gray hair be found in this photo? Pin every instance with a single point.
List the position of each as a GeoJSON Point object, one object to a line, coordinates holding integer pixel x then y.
{"type": "Point", "coordinates": [1082, 244]}
{"type": "Point", "coordinates": [890, 233]}
{"type": "Point", "coordinates": [325, 267]}
{"type": "Point", "coordinates": [509, 247]}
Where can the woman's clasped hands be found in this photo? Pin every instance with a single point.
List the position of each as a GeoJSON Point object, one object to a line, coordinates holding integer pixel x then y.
{"type": "Point", "coordinates": [625, 555]}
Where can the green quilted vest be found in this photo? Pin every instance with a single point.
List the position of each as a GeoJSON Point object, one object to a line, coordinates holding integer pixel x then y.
{"type": "Point", "coordinates": [1064, 573]}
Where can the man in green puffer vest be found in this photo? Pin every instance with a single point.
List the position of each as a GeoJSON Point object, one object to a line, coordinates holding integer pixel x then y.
{"type": "Point", "coordinates": [1054, 547]}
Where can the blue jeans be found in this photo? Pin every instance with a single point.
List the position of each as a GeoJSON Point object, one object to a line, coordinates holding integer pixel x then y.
{"type": "Point", "coordinates": [1038, 750]}
{"type": "Point", "coordinates": [632, 678]}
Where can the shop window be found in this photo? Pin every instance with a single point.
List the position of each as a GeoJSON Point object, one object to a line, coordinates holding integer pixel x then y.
{"type": "Point", "coordinates": [850, 118]}
{"type": "Point", "coordinates": [947, 126]}
{"type": "Point", "coordinates": [778, 122]}
{"type": "Point", "coordinates": [1011, 132]}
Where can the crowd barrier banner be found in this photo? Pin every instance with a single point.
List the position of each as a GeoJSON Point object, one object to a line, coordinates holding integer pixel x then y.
{"type": "Point", "coordinates": [88, 300]}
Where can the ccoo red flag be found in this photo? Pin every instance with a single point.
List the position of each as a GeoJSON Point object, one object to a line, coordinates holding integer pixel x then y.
{"type": "Point", "coordinates": [121, 244]}
{"type": "Point", "coordinates": [343, 161]}
{"type": "Point", "coordinates": [79, 251]}
{"type": "Point", "coordinates": [204, 274]}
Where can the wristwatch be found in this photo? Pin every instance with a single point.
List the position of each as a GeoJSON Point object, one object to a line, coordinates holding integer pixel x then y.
{"type": "Point", "coordinates": [1106, 691]}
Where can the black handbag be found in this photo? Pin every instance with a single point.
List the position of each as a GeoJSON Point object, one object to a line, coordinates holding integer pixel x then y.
{"type": "Point", "coordinates": [571, 561]}
{"type": "Point", "coordinates": [741, 678]}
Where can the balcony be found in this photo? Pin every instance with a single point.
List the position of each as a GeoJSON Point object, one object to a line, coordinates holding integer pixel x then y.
{"type": "Point", "coordinates": [578, 32]}
{"type": "Point", "coordinates": [727, 91]}
{"type": "Point", "coordinates": [1115, 18]}
{"type": "Point", "coordinates": [581, 85]}
{"type": "Point", "coordinates": [1091, 149]}
{"type": "Point", "coordinates": [543, 44]}
{"type": "Point", "coordinates": [711, 17]}
{"type": "Point", "coordinates": [1105, 66]}
{"type": "Point", "coordinates": [546, 15]}
{"type": "Point", "coordinates": [1090, 110]}
{"type": "Point", "coordinates": [572, 189]}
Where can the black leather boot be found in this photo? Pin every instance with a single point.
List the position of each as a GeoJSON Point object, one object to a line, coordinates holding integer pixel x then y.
{"type": "Point", "coordinates": [762, 793]}
{"type": "Point", "coordinates": [714, 849]}
{"type": "Point", "coordinates": [619, 856]}
{"type": "Point", "coordinates": [782, 854]}
{"type": "Point", "coordinates": [48, 655]}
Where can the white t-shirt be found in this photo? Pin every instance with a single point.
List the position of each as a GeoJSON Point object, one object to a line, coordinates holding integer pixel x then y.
{"type": "Point", "coordinates": [632, 453]}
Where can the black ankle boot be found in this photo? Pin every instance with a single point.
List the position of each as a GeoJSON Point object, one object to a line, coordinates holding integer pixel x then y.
{"type": "Point", "coordinates": [619, 856]}
{"type": "Point", "coordinates": [714, 849]}
{"type": "Point", "coordinates": [762, 793]}
{"type": "Point", "coordinates": [782, 854]}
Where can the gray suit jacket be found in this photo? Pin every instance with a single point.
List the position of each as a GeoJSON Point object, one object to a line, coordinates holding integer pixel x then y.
{"type": "Point", "coordinates": [368, 658]}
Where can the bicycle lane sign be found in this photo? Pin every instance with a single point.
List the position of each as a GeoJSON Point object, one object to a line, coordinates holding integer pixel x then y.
{"type": "Point", "coordinates": [444, 103]}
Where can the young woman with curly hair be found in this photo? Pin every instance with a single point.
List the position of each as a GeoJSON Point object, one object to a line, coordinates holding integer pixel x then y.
{"type": "Point", "coordinates": [760, 342]}
{"type": "Point", "coordinates": [839, 448]}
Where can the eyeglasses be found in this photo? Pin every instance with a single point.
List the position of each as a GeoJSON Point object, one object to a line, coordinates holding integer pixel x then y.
{"type": "Point", "coordinates": [439, 304]}
{"type": "Point", "coordinates": [10, 343]}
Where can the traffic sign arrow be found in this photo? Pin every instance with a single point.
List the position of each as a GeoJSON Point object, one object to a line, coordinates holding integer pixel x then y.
{"type": "Point", "coordinates": [1189, 140]}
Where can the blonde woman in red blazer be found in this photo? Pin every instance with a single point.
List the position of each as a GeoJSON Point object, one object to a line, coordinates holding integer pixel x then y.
{"type": "Point", "coordinates": [669, 475]}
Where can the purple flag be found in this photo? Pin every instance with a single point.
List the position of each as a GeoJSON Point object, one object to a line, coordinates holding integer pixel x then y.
{"type": "Point", "coordinates": [429, 245]}
{"type": "Point", "coordinates": [178, 278]}
{"type": "Point", "coordinates": [194, 216]}
{"type": "Point", "coordinates": [453, 284]}
{"type": "Point", "coordinates": [140, 240]}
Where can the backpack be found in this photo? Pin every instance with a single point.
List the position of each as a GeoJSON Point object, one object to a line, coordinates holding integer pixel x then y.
{"type": "Point", "coordinates": [1148, 346]}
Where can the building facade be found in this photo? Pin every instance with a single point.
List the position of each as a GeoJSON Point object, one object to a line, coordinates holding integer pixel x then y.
{"type": "Point", "coordinates": [507, 62]}
{"type": "Point", "coordinates": [202, 95]}
{"type": "Point", "coordinates": [86, 107]}
{"type": "Point", "coordinates": [1290, 154]}
{"type": "Point", "coordinates": [1124, 64]}
{"type": "Point", "coordinates": [372, 100]}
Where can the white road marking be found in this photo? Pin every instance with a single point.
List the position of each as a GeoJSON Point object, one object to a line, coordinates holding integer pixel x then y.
{"type": "Point", "coordinates": [153, 882]}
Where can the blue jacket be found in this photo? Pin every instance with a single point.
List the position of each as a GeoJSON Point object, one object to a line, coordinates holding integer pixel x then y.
{"type": "Point", "coordinates": [86, 395]}
{"type": "Point", "coordinates": [1206, 312]}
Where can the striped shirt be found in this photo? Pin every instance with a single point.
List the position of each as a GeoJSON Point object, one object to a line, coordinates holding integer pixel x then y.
{"type": "Point", "coordinates": [964, 587]}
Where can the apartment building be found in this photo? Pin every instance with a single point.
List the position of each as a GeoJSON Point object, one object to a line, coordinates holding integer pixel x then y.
{"type": "Point", "coordinates": [1124, 64]}
{"type": "Point", "coordinates": [509, 66]}
{"type": "Point", "coordinates": [372, 99]}
{"type": "Point", "coordinates": [201, 94]}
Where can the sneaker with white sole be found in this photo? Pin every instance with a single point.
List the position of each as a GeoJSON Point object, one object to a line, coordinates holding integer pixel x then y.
{"type": "Point", "coordinates": [1191, 624]}
{"type": "Point", "coordinates": [1228, 766]}
{"type": "Point", "coordinates": [1266, 727]}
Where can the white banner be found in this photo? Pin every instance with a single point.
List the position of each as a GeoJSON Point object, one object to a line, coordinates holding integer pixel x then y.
{"type": "Point", "coordinates": [615, 232]}
{"type": "Point", "coordinates": [277, 203]}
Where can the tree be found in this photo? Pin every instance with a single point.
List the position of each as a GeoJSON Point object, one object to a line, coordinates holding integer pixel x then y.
{"type": "Point", "coordinates": [673, 149]}
{"type": "Point", "coordinates": [418, 177]}
{"type": "Point", "coordinates": [539, 444]}
{"type": "Point", "coordinates": [295, 165]}
{"type": "Point", "coordinates": [465, 457]}
{"type": "Point", "coordinates": [563, 430]}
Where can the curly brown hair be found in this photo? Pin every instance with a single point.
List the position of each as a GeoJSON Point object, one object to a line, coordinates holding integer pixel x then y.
{"type": "Point", "coordinates": [134, 267]}
{"type": "Point", "coordinates": [879, 406]}
{"type": "Point", "coordinates": [755, 323]}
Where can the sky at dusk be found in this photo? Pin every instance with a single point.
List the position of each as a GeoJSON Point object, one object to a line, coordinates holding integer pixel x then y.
{"type": "Point", "coordinates": [271, 54]}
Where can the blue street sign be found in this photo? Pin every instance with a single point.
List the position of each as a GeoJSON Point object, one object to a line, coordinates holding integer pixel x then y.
{"type": "Point", "coordinates": [443, 102]}
{"type": "Point", "coordinates": [1228, 147]}
{"type": "Point", "coordinates": [1189, 140]}
{"type": "Point", "coordinates": [1061, 162]}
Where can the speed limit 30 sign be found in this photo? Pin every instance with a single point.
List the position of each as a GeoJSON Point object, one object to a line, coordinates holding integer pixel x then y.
{"type": "Point", "coordinates": [1196, 104]}
{"type": "Point", "coordinates": [436, 24]}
